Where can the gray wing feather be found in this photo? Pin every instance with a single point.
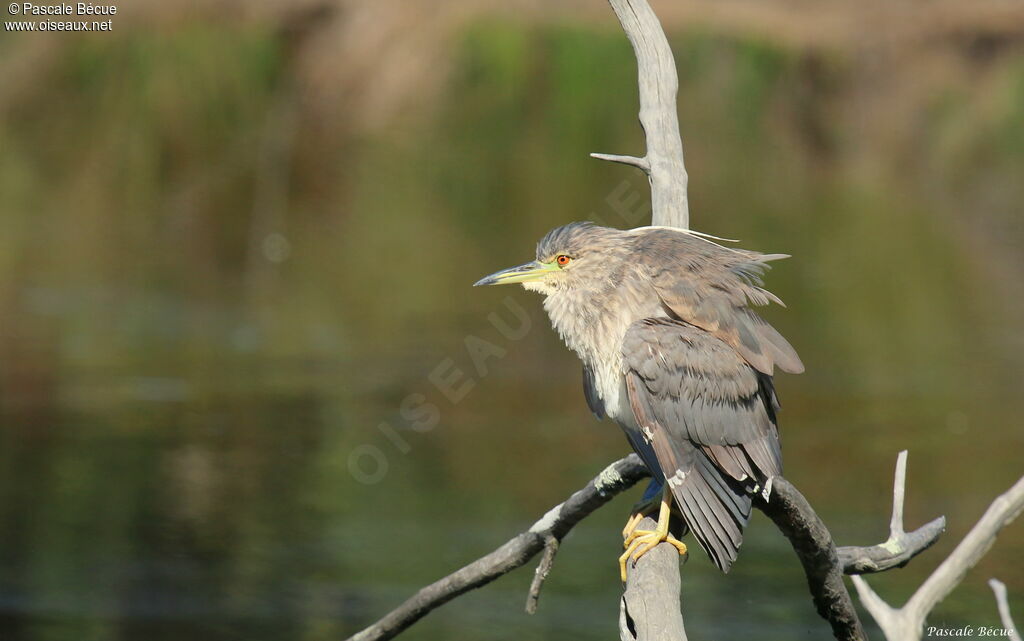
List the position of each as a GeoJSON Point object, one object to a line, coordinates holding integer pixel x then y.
{"type": "Point", "coordinates": [711, 420]}
{"type": "Point", "coordinates": [710, 286]}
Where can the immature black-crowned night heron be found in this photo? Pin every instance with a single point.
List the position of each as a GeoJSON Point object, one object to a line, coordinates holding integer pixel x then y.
{"type": "Point", "coordinates": [673, 354]}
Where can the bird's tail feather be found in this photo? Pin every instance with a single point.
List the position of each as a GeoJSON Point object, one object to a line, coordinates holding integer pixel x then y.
{"type": "Point", "coordinates": [715, 510]}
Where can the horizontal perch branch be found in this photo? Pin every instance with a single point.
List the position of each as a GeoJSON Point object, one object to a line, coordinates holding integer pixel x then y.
{"type": "Point", "coordinates": [787, 508]}
{"type": "Point", "coordinates": [617, 477]}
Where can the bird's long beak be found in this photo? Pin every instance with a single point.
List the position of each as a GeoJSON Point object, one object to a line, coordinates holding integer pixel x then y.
{"type": "Point", "coordinates": [533, 270]}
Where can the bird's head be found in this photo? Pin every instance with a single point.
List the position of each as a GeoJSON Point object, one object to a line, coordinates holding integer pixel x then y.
{"type": "Point", "coordinates": [573, 256]}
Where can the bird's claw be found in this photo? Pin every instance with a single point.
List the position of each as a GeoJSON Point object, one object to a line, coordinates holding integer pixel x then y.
{"type": "Point", "coordinates": [640, 510]}
{"type": "Point", "coordinates": [643, 542]}
{"type": "Point", "coordinates": [640, 542]}
{"type": "Point", "coordinates": [627, 532]}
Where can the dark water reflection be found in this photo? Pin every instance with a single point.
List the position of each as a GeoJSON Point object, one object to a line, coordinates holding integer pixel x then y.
{"type": "Point", "coordinates": [179, 511]}
{"type": "Point", "coordinates": [177, 437]}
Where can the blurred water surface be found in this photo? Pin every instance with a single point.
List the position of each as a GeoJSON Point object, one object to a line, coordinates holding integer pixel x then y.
{"type": "Point", "coordinates": [213, 291]}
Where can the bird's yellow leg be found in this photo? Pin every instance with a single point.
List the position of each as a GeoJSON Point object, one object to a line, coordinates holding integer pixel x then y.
{"type": "Point", "coordinates": [664, 514]}
{"type": "Point", "coordinates": [640, 542]}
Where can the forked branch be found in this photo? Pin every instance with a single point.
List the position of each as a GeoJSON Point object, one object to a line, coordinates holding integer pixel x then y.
{"type": "Point", "coordinates": [901, 546]}
{"type": "Point", "coordinates": [907, 623]}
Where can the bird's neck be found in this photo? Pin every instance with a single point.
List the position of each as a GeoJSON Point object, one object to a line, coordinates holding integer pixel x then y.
{"type": "Point", "coordinates": [593, 323]}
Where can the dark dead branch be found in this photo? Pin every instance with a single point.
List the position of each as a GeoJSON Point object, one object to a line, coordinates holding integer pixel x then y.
{"type": "Point", "coordinates": [540, 575]}
{"type": "Point", "coordinates": [813, 544]}
{"type": "Point", "coordinates": [650, 605]}
{"type": "Point", "coordinates": [614, 479]}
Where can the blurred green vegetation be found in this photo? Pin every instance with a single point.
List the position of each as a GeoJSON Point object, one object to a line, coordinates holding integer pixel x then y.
{"type": "Point", "coordinates": [209, 297]}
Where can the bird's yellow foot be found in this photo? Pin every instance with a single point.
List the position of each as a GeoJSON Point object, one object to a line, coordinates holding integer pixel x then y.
{"type": "Point", "coordinates": [640, 542]}
{"type": "Point", "coordinates": [640, 510]}
{"type": "Point", "coordinates": [631, 524]}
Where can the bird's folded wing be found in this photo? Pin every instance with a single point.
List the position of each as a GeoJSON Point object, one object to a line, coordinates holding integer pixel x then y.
{"type": "Point", "coordinates": [711, 286]}
{"type": "Point", "coordinates": [710, 418]}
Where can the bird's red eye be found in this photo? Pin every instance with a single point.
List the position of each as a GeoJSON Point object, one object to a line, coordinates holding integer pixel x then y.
{"type": "Point", "coordinates": [562, 260]}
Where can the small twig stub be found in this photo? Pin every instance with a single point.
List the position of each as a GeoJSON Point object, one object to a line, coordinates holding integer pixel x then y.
{"type": "Point", "coordinates": [547, 562]}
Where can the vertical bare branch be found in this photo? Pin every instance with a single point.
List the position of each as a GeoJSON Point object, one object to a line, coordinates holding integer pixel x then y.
{"type": "Point", "coordinates": [899, 486]}
{"type": "Point", "coordinates": [650, 603]}
{"type": "Point", "coordinates": [1004, 609]}
{"type": "Point", "coordinates": [659, 84]}
{"type": "Point", "coordinates": [649, 609]}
